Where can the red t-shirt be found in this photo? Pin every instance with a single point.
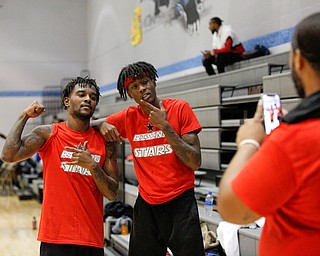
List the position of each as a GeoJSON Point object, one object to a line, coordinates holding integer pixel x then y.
{"type": "Point", "coordinates": [160, 173]}
{"type": "Point", "coordinates": [282, 182]}
{"type": "Point", "coordinates": [72, 209]}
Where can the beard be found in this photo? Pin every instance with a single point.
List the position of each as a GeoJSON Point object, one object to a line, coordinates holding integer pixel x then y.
{"type": "Point", "coordinates": [83, 116]}
{"type": "Point", "coordinates": [297, 82]}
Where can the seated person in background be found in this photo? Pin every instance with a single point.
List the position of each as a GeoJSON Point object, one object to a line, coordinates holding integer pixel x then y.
{"type": "Point", "coordinates": [226, 47]}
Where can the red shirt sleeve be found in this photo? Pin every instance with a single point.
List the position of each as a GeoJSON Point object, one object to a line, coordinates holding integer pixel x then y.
{"type": "Point", "coordinates": [227, 46]}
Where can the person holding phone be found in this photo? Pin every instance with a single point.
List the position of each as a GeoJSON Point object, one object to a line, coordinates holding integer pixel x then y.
{"type": "Point", "coordinates": [277, 176]}
{"type": "Point", "coordinates": [226, 47]}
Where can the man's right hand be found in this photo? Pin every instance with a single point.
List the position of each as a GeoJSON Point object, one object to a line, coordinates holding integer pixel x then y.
{"type": "Point", "coordinates": [34, 110]}
{"type": "Point", "coordinates": [206, 54]}
{"type": "Point", "coordinates": [110, 133]}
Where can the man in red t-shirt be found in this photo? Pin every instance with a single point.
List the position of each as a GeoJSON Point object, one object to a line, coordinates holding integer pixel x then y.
{"type": "Point", "coordinates": [79, 168]}
{"type": "Point", "coordinates": [166, 152]}
{"type": "Point", "coordinates": [281, 179]}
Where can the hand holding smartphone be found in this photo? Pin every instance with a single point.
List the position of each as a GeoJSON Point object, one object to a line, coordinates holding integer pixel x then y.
{"type": "Point", "coordinates": [272, 111]}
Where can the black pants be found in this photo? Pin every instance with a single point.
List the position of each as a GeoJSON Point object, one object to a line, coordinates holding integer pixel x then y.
{"type": "Point", "coordinates": [174, 224]}
{"type": "Point", "coordinates": [221, 60]}
{"type": "Point", "coordinates": [48, 249]}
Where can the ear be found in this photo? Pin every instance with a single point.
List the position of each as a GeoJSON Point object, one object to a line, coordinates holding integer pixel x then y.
{"type": "Point", "coordinates": [299, 60]}
{"type": "Point", "coordinates": [66, 102]}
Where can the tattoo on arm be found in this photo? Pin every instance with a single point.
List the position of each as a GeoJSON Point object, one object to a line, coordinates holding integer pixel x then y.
{"type": "Point", "coordinates": [107, 178]}
{"type": "Point", "coordinates": [111, 150]}
{"type": "Point", "coordinates": [17, 148]}
{"type": "Point", "coordinates": [190, 152]}
{"type": "Point", "coordinates": [33, 141]}
{"type": "Point", "coordinates": [104, 178]}
{"type": "Point", "coordinates": [187, 148]}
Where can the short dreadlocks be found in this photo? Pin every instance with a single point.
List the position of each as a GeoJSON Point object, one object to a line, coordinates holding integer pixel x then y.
{"type": "Point", "coordinates": [135, 71]}
{"type": "Point", "coordinates": [82, 82]}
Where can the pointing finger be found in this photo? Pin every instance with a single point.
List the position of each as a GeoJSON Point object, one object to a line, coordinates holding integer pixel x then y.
{"type": "Point", "coordinates": [147, 104]}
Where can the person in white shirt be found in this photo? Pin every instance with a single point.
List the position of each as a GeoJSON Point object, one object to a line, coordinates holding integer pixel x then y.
{"type": "Point", "coordinates": [226, 47]}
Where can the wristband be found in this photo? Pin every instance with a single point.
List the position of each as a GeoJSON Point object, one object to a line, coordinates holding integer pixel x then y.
{"type": "Point", "coordinates": [249, 141]}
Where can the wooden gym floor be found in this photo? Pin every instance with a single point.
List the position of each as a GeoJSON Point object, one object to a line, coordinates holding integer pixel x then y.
{"type": "Point", "coordinates": [16, 234]}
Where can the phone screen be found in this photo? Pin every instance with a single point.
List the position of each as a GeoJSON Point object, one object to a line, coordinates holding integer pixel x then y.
{"type": "Point", "coordinates": [271, 111]}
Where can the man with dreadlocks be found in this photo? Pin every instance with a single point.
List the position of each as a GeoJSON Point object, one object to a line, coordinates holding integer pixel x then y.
{"type": "Point", "coordinates": [166, 152]}
{"type": "Point", "coordinates": [79, 168]}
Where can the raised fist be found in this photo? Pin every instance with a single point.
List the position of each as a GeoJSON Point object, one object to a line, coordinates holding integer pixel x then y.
{"type": "Point", "coordinates": [34, 110]}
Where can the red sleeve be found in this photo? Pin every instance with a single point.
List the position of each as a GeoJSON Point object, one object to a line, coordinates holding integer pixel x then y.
{"type": "Point", "coordinates": [267, 180]}
{"type": "Point", "coordinates": [227, 46]}
{"type": "Point", "coordinates": [190, 122]}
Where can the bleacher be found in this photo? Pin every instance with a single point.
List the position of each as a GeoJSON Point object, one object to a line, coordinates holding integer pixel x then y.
{"type": "Point", "coordinates": [221, 103]}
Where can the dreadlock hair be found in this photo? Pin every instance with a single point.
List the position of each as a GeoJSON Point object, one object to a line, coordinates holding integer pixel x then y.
{"type": "Point", "coordinates": [216, 20]}
{"type": "Point", "coordinates": [82, 82]}
{"type": "Point", "coordinates": [135, 71]}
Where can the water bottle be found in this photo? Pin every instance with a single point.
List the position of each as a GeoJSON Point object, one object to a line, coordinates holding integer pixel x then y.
{"type": "Point", "coordinates": [208, 203]}
{"type": "Point", "coordinates": [34, 223]}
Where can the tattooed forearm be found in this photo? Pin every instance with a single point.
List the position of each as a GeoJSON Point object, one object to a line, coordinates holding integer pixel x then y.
{"type": "Point", "coordinates": [107, 185]}
{"type": "Point", "coordinates": [111, 150]}
{"type": "Point", "coordinates": [13, 140]}
{"type": "Point", "coordinates": [185, 155]}
{"type": "Point", "coordinates": [113, 186]}
{"type": "Point", "coordinates": [187, 148]}
{"type": "Point", "coordinates": [107, 178]}
{"type": "Point", "coordinates": [189, 155]}
{"type": "Point", "coordinates": [17, 148]}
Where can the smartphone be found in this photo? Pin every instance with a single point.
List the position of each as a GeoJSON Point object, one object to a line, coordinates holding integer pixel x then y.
{"type": "Point", "coordinates": [272, 111]}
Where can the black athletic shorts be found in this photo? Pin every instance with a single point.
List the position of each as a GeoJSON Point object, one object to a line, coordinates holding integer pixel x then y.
{"type": "Point", "coordinates": [174, 224]}
{"type": "Point", "coordinates": [48, 249]}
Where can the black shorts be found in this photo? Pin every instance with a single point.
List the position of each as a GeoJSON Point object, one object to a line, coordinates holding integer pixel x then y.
{"type": "Point", "coordinates": [174, 224]}
{"type": "Point", "coordinates": [48, 249]}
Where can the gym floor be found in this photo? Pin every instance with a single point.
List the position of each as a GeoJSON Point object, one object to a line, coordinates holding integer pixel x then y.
{"type": "Point", "coordinates": [17, 236]}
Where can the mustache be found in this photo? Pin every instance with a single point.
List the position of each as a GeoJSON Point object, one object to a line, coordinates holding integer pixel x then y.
{"type": "Point", "coordinates": [86, 105]}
